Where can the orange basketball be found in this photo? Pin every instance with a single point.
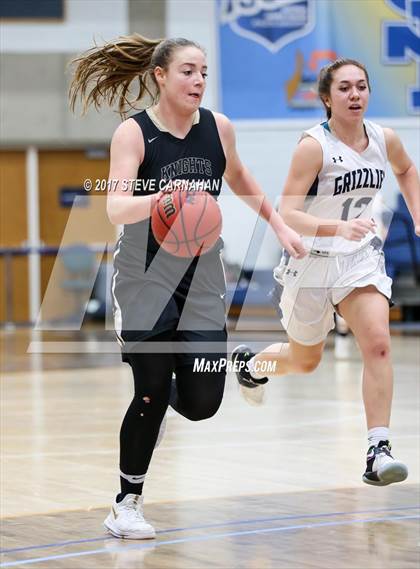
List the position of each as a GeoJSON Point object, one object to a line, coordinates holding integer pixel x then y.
{"type": "Point", "coordinates": [186, 223]}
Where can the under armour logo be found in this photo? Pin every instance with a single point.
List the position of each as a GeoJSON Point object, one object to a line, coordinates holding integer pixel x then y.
{"type": "Point", "coordinates": [290, 272]}
{"type": "Point", "coordinates": [339, 159]}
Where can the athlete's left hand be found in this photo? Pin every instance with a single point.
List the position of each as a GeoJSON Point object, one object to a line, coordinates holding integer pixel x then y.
{"type": "Point", "coordinates": [290, 240]}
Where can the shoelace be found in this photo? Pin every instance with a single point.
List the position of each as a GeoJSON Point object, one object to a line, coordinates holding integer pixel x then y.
{"type": "Point", "coordinates": [133, 508]}
{"type": "Point", "coordinates": [385, 449]}
{"type": "Point", "coordinates": [382, 454]}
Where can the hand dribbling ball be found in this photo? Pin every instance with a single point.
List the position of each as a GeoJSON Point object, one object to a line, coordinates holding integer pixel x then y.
{"type": "Point", "coordinates": [186, 223]}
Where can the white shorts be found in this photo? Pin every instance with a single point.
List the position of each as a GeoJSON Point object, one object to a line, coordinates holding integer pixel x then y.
{"type": "Point", "coordinates": [313, 286]}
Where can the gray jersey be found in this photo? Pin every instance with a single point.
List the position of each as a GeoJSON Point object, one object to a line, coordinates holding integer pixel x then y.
{"type": "Point", "coordinates": [346, 184]}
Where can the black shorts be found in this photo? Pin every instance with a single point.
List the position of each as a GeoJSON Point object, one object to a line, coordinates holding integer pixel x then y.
{"type": "Point", "coordinates": [187, 299]}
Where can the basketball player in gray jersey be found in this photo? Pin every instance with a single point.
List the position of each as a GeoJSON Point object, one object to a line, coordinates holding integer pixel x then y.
{"type": "Point", "coordinates": [336, 171]}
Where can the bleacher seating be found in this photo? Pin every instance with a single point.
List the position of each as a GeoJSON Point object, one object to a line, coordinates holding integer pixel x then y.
{"type": "Point", "coordinates": [402, 257]}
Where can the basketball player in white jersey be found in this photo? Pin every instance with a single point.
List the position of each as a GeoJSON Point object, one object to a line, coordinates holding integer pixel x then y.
{"type": "Point", "coordinates": [337, 169]}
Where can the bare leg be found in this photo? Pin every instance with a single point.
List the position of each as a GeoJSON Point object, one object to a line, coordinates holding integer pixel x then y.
{"type": "Point", "coordinates": [290, 357]}
{"type": "Point", "coordinates": [367, 313]}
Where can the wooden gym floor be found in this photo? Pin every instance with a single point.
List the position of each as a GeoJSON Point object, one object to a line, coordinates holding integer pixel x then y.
{"type": "Point", "coordinates": [277, 486]}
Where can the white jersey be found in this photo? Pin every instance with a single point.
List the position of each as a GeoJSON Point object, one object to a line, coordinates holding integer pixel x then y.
{"type": "Point", "coordinates": [346, 184]}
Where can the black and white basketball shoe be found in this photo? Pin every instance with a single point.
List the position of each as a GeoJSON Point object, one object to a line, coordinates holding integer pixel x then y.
{"type": "Point", "coordinates": [382, 468]}
{"type": "Point", "coordinates": [252, 389]}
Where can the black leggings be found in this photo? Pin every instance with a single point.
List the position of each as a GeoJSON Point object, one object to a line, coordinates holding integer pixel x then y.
{"type": "Point", "coordinates": [195, 395]}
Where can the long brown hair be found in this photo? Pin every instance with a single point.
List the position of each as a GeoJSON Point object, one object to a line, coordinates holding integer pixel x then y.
{"type": "Point", "coordinates": [326, 76]}
{"type": "Point", "coordinates": [105, 73]}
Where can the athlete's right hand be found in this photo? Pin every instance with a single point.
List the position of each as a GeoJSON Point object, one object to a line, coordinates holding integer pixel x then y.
{"type": "Point", "coordinates": [290, 240]}
{"type": "Point", "coordinates": [158, 195]}
{"type": "Point", "coordinates": [355, 229]}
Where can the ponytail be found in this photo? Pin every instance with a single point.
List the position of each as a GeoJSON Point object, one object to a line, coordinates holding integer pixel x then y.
{"type": "Point", "coordinates": [113, 67]}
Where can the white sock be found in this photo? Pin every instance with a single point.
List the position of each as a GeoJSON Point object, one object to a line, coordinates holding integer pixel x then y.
{"type": "Point", "coordinates": [251, 367]}
{"type": "Point", "coordinates": [377, 434]}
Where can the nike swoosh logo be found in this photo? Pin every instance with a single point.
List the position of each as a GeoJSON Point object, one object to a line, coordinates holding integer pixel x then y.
{"type": "Point", "coordinates": [149, 140]}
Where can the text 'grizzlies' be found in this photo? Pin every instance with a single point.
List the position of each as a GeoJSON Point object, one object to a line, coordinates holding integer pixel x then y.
{"type": "Point", "coordinates": [360, 178]}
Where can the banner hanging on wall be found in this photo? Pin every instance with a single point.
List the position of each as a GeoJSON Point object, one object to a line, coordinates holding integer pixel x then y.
{"type": "Point", "coordinates": [272, 50]}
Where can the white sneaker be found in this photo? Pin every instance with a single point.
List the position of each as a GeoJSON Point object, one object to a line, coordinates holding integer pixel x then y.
{"type": "Point", "coordinates": [126, 520]}
{"type": "Point", "coordinates": [341, 326]}
{"type": "Point", "coordinates": [254, 397]}
{"type": "Point", "coordinates": [251, 389]}
{"type": "Point", "coordinates": [382, 468]}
